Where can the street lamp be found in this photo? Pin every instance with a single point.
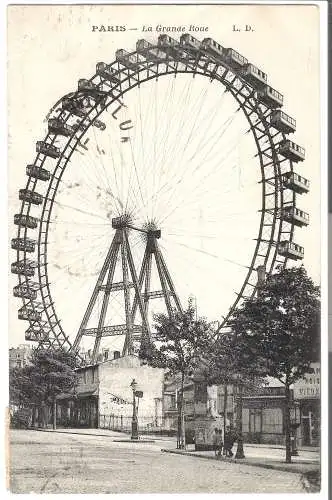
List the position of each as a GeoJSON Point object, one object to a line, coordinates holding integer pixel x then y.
{"type": "Point", "coordinates": [134, 422]}
{"type": "Point", "coordinates": [295, 415]}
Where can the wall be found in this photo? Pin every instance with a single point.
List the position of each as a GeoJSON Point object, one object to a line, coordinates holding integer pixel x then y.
{"type": "Point", "coordinates": [263, 422]}
{"type": "Point", "coordinates": [88, 379]}
{"type": "Point", "coordinates": [115, 393]}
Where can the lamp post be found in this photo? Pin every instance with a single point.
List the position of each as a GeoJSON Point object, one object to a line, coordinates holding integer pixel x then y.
{"type": "Point", "coordinates": [239, 408]}
{"type": "Point", "coordinates": [295, 423]}
{"type": "Point", "coordinates": [134, 422]}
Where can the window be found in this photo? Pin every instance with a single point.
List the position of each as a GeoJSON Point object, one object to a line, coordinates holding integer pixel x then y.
{"type": "Point", "coordinates": [272, 421]}
{"type": "Point", "coordinates": [255, 420]}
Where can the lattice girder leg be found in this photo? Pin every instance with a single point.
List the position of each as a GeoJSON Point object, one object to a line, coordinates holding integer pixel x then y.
{"type": "Point", "coordinates": [128, 346]}
{"type": "Point", "coordinates": [94, 295]}
{"type": "Point", "coordinates": [145, 323]}
{"type": "Point", "coordinates": [106, 298]}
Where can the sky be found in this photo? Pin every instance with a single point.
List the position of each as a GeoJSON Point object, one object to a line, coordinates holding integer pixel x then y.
{"type": "Point", "coordinates": [190, 165]}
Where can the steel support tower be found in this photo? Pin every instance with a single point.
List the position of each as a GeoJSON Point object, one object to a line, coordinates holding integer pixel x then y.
{"type": "Point", "coordinates": [136, 326]}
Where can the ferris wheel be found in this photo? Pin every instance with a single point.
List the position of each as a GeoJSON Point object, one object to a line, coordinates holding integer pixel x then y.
{"type": "Point", "coordinates": [169, 173]}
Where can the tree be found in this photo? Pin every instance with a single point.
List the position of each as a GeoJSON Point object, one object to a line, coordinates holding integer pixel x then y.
{"type": "Point", "coordinates": [182, 341]}
{"type": "Point", "coordinates": [49, 373]}
{"type": "Point", "coordinates": [281, 325]}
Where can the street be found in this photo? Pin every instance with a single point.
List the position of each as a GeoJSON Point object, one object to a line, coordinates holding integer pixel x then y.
{"type": "Point", "coordinates": [46, 462]}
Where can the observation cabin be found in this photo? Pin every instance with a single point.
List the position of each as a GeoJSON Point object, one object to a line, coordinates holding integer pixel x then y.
{"type": "Point", "coordinates": [190, 43]}
{"type": "Point", "coordinates": [166, 41]}
{"type": "Point", "coordinates": [56, 126]}
{"type": "Point", "coordinates": [291, 151]}
{"type": "Point", "coordinates": [126, 59]}
{"type": "Point", "coordinates": [74, 106]}
{"type": "Point", "coordinates": [295, 215]}
{"type": "Point", "coordinates": [25, 267]}
{"type": "Point", "coordinates": [33, 333]}
{"type": "Point", "coordinates": [271, 97]}
{"type": "Point", "coordinates": [149, 51]}
{"type": "Point", "coordinates": [26, 291]}
{"type": "Point", "coordinates": [84, 84]}
{"type": "Point", "coordinates": [234, 59]}
{"type": "Point", "coordinates": [296, 182]}
{"type": "Point", "coordinates": [47, 149]}
{"type": "Point", "coordinates": [106, 72]}
{"type": "Point", "coordinates": [26, 221]}
{"type": "Point", "coordinates": [30, 197]}
{"type": "Point", "coordinates": [26, 244]}
{"type": "Point", "coordinates": [170, 46]}
{"type": "Point", "coordinates": [213, 48]}
{"type": "Point", "coordinates": [38, 172]}
{"type": "Point", "coordinates": [143, 45]}
{"type": "Point", "coordinates": [291, 250]}
{"type": "Point", "coordinates": [282, 122]}
{"type": "Point", "coordinates": [26, 313]}
{"type": "Point", "coordinates": [253, 75]}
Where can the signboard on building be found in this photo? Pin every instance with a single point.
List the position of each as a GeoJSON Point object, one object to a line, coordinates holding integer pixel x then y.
{"type": "Point", "coordinates": [309, 386]}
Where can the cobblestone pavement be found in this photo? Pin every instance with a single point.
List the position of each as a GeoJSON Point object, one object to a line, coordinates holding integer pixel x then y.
{"type": "Point", "coordinates": [43, 462]}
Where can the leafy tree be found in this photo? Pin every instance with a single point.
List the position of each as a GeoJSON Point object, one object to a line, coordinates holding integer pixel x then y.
{"type": "Point", "coordinates": [182, 341]}
{"type": "Point", "coordinates": [20, 389]}
{"type": "Point", "coordinates": [49, 373]}
{"type": "Point", "coordinates": [281, 326]}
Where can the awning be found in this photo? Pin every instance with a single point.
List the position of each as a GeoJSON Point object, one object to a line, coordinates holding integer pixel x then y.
{"type": "Point", "coordinates": [80, 395]}
{"type": "Point", "coordinates": [87, 394]}
{"type": "Point", "coordinates": [65, 395]}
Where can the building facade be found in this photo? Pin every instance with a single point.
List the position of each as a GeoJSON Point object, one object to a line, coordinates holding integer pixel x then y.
{"type": "Point", "coordinates": [19, 356]}
{"type": "Point", "coordinates": [104, 396]}
{"type": "Point", "coordinates": [263, 410]}
{"type": "Point", "coordinates": [200, 410]}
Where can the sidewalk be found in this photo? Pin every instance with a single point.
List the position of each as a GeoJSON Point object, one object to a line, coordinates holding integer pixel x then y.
{"type": "Point", "coordinates": [256, 455]}
{"type": "Point", "coordinates": [117, 436]}
{"type": "Point", "coordinates": [274, 453]}
{"type": "Point", "coordinates": [311, 450]}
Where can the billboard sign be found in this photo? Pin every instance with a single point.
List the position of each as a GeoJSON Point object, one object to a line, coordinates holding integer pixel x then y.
{"type": "Point", "coordinates": [309, 386]}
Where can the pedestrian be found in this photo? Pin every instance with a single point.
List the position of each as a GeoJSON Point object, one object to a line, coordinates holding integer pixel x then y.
{"type": "Point", "coordinates": [229, 442]}
{"type": "Point", "coordinates": [215, 440]}
{"type": "Point", "coordinates": [220, 443]}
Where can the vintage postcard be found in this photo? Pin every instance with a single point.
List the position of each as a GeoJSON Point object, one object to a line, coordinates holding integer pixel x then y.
{"type": "Point", "coordinates": [165, 165]}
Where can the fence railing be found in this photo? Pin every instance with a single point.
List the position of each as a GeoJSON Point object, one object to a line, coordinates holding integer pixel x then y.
{"type": "Point", "coordinates": [146, 424]}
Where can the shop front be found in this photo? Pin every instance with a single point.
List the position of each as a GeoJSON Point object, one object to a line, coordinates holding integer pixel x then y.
{"type": "Point", "coordinates": [307, 395]}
